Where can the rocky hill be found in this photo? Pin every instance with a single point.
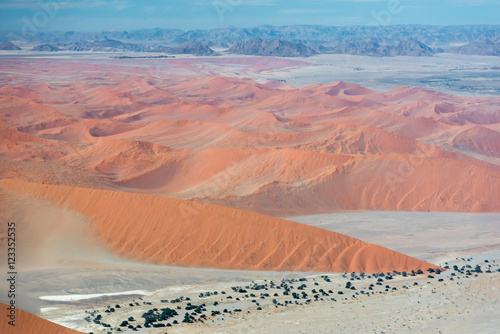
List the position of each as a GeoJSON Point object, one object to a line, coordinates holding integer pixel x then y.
{"type": "Point", "coordinates": [194, 49]}
{"type": "Point", "coordinates": [46, 47]}
{"type": "Point", "coordinates": [8, 46]}
{"type": "Point", "coordinates": [276, 48]}
{"type": "Point", "coordinates": [483, 48]}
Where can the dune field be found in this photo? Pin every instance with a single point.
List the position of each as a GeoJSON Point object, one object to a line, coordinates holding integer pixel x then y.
{"type": "Point", "coordinates": [142, 183]}
{"type": "Point", "coordinates": [267, 148]}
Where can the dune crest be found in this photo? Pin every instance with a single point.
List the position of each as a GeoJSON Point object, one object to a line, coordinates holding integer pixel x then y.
{"type": "Point", "coordinates": [176, 232]}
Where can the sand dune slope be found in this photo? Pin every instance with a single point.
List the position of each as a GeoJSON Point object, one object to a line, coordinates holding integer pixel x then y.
{"type": "Point", "coordinates": [27, 323]}
{"type": "Point", "coordinates": [480, 140]}
{"type": "Point", "coordinates": [176, 232]}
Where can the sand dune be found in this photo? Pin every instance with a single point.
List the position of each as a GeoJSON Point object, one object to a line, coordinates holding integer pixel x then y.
{"type": "Point", "coordinates": [480, 140]}
{"type": "Point", "coordinates": [27, 323]}
{"type": "Point", "coordinates": [270, 148]}
{"type": "Point", "coordinates": [21, 92]}
{"type": "Point", "coordinates": [170, 231]}
{"type": "Point", "coordinates": [340, 88]}
{"type": "Point", "coordinates": [401, 186]}
{"type": "Point", "coordinates": [220, 91]}
{"type": "Point", "coordinates": [22, 111]}
{"type": "Point", "coordinates": [410, 94]}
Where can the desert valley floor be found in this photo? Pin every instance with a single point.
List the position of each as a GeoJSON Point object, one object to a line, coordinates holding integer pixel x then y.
{"type": "Point", "coordinates": [250, 194]}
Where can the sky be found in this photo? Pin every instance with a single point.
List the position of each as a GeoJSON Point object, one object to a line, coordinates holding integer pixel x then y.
{"type": "Point", "coordinates": [101, 15]}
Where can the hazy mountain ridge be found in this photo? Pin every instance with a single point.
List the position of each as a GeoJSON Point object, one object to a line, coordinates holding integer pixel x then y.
{"type": "Point", "coordinates": [194, 49]}
{"type": "Point", "coordinates": [45, 48]}
{"type": "Point", "coordinates": [8, 46]}
{"type": "Point", "coordinates": [110, 45]}
{"type": "Point", "coordinates": [316, 34]}
{"type": "Point", "coordinates": [380, 48]}
{"type": "Point", "coordinates": [289, 41]}
{"type": "Point", "coordinates": [279, 48]}
{"type": "Point", "coordinates": [483, 48]}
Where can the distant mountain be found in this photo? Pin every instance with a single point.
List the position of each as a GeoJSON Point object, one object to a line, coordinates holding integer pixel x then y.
{"type": "Point", "coordinates": [483, 48]}
{"type": "Point", "coordinates": [412, 48]}
{"type": "Point", "coordinates": [379, 48]}
{"type": "Point", "coordinates": [46, 47]}
{"type": "Point", "coordinates": [434, 36]}
{"type": "Point", "coordinates": [419, 40]}
{"type": "Point", "coordinates": [110, 45]}
{"type": "Point", "coordinates": [107, 45]}
{"type": "Point", "coordinates": [277, 48]}
{"type": "Point", "coordinates": [372, 47]}
{"type": "Point", "coordinates": [8, 46]}
{"type": "Point", "coordinates": [194, 49]}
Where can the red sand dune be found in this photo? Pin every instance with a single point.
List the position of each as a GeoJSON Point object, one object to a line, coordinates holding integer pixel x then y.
{"type": "Point", "coordinates": [411, 94]}
{"type": "Point", "coordinates": [176, 232]}
{"type": "Point", "coordinates": [340, 88]}
{"type": "Point", "coordinates": [479, 140]}
{"type": "Point", "coordinates": [27, 323]}
{"type": "Point", "coordinates": [21, 92]}
{"type": "Point", "coordinates": [25, 111]}
{"type": "Point", "coordinates": [384, 183]}
{"type": "Point", "coordinates": [270, 148]}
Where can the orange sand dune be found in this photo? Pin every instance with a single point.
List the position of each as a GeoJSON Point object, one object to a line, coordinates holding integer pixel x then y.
{"type": "Point", "coordinates": [390, 183]}
{"type": "Point", "coordinates": [399, 124]}
{"type": "Point", "coordinates": [27, 323]}
{"type": "Point", "coordinates": [410, 94]}
{"type": "Point", "coordinates": [17, 145]}
{"type": "Point", "coordinates": [480, 140]}
{"type": "Point", "coordinates": [21, 111]}
{"type": "Point", "coordinates": [272, 148]}
{"type": "Point", "coordinates": [340, 88]}
{"type": "Point", "coordinates": [294, 104]}
{"type": "Point", "coordinates": [237, 172]}
{"type": "Point", "coordinates": [382, 171]}
{"type": "Point", "coordinates": [176, 232]}
{"type": "Point", "coordinates": [248, 120]}
{"type": "Point", "coordinates": [220, 91]}
{"type": "Point", "coordinates": [21, 92]}
{"type": "Point", "coordinates": [84, 130]}
{"type": "Point", "coordinates": [184, 134]}
{"type": "Point", "coordinates": [103, 95]}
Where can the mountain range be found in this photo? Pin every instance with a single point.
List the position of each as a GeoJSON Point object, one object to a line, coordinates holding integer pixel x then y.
{"type": "Point", "coordinates": [281, 41]}
{"type": "Point", "coordinates": [435, 36]}
{"type": "Point", "coordinates": [483, 48]}
{"type": "Point", "coordinates": [276, 47]}
{"type": "Point", "coordinates": [8, 46]}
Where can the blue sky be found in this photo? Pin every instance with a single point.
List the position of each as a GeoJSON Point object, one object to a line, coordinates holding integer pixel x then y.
{"type": "Point", "coordinates": [98, 15]}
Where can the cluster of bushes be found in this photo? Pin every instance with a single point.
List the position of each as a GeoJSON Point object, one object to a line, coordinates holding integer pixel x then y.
{"type": "Point", "coordinates": [197, 308]}
{"type": "Point", "coordinates": [154, 315]}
